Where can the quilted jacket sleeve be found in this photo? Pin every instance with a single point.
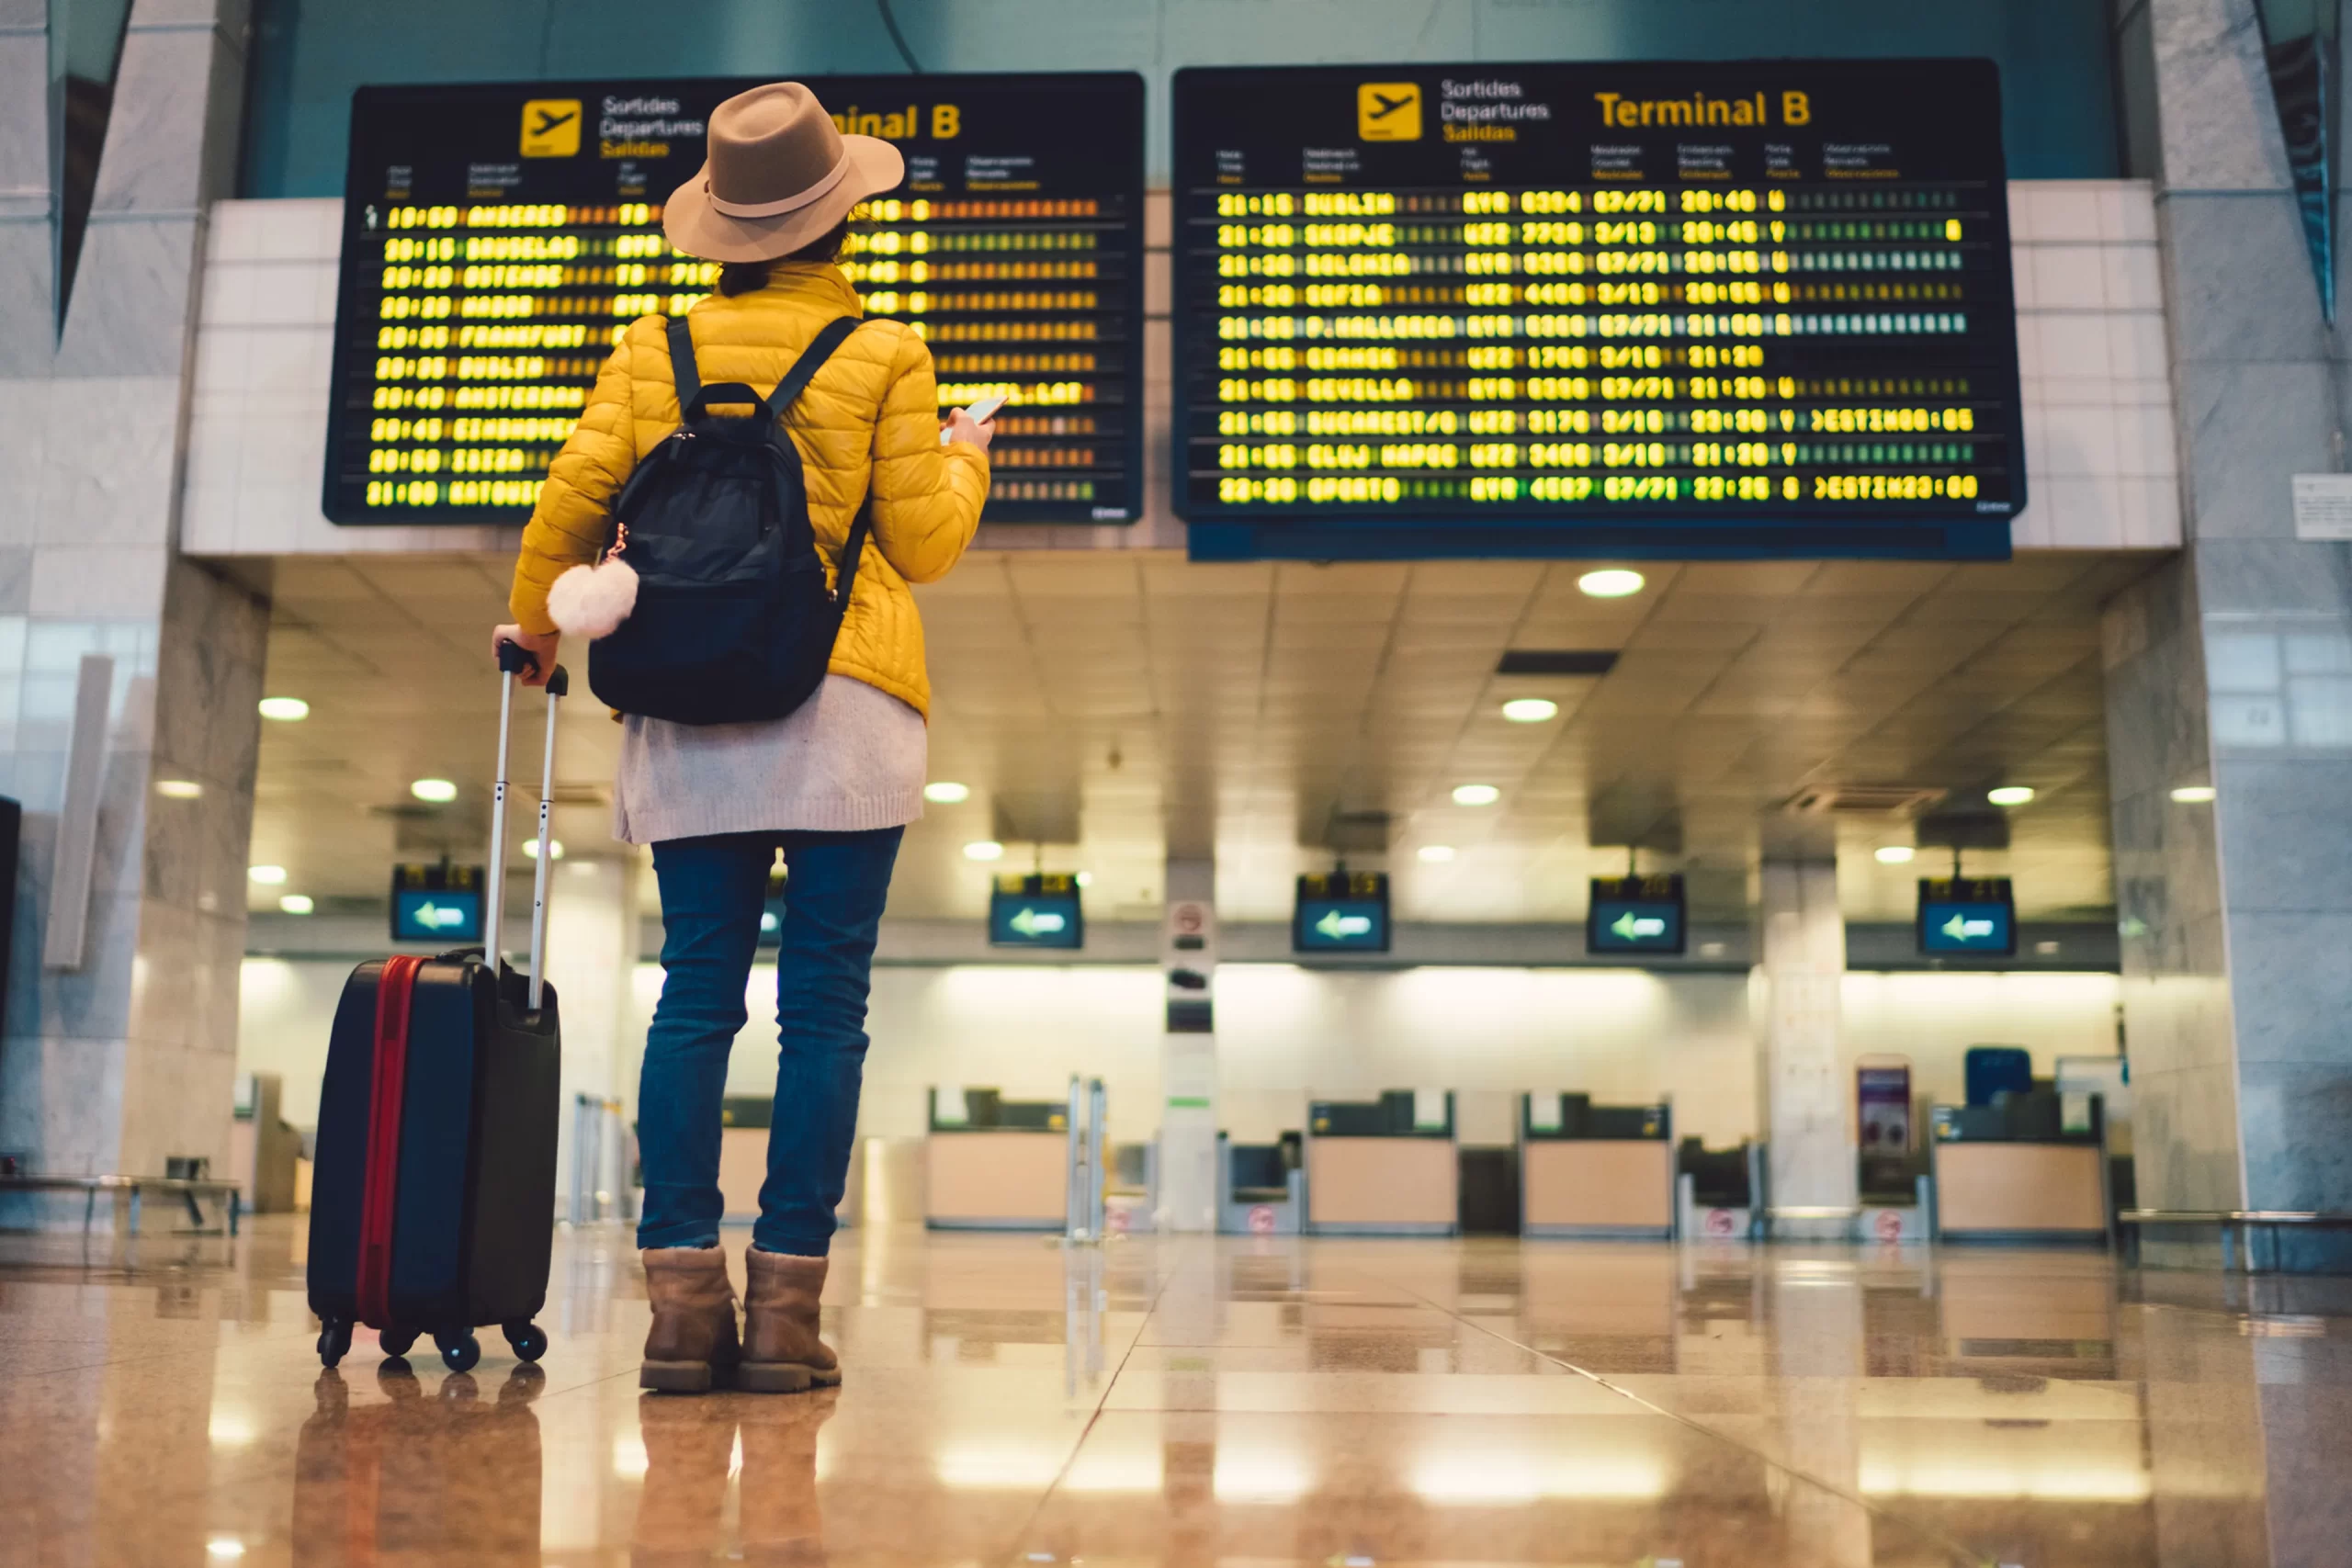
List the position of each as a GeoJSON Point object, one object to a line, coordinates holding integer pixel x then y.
{"type": "Point", "coordinates": [927, 497]}
{"type": "Point", "coordinates": [570, 522]}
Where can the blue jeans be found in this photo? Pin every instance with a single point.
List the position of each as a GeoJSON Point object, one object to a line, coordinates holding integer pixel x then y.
{"type": "Point", "coordinates": [712, 893]}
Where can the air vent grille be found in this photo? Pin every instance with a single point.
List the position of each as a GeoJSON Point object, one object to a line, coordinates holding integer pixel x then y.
{"type": "Point", "coordinates": [1558, 661]}
{"type": "Point", "coordinates": [1862, 800]}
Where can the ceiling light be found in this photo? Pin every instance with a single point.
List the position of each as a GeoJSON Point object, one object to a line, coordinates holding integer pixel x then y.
{"type": "Point", "coordinates": [2194, 795]}
{"type": "Point", "coordinates": [984, 849]}
{"type": "Point", "coordinates": [1437, 854]}
{"type": "Point", "coordinates": [531, 849]}
{"type": "Point", "coordinates": [1614, 582]}
{"type": "Point", "coordinates": [267, 875]}
{"type": "Point", "coordinates": [286, 710]}
{"type": "Point", "coordinates": [440, 792]}
{"type": "Point", "coordinates": [1086, 879]}
{"type": "Point", "coordinates": [2009, 794]}
{"type": "Point", "coordinates": [1895, 855]}
{"type": "Point", "coordinates": [297, 904]}
{"type": "Point", "coordinates": [1475, 795]}
{"type": "Point", "coordinates": [947, 792]}
{"type": "Point", "coordinates": [224, 1547]}
{"type": "Point", "coordinates": [179, 789]}
{"type": "Point", "coordinates": [1530, 710]}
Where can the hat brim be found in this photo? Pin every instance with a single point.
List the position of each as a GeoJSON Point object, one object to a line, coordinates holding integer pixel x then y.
{"type": "Point", "coordinates": [697, 227]}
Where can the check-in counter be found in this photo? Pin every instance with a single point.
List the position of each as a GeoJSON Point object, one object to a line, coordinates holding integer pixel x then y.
{"type": "Point", "coordinates": [743, 1163]}
{"type": "Point", "coordinates": [1262, 1188]}
{"type": "Point", "coordinates": [2014, 1171]}
{"type": "Point", "coordinates": [1388, 1166]}
{"type": "Point", "coordinates": [1003, 1165]}
{"type": "Point", "coordinates": [1595, 1170]}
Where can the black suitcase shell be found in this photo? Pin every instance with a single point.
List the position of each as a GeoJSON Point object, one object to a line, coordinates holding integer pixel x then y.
{"type": "Point", "coordinates": [474, 1215]}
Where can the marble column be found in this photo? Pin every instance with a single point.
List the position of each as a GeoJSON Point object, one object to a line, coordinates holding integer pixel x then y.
{"type": "Point", "coordinates": [594, 913]}
{"type": "Point", "coordinates": [125, 1058]}
{"type": "Point", "coordinates": [1188, 1179]}
{"type": "Point", "coordinates": [1811, 1148]}
{"type": "Point", "coordinates": [2231, 672]}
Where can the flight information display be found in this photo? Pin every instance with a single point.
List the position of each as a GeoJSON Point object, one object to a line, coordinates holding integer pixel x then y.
{"type": "Point", "coordinates": [498, 239]}
{"type": "Point", "coordinates": [1632, 308]}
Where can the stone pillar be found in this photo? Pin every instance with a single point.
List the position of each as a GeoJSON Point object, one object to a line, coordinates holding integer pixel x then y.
{"type": "Point", "coordinates": [126, 1058]}
{"type": "Point", "coordinates": [1811, 1148]}
{"type": "Point", "coordinates": [2232, 671]}
{"type": "Point", "coordinates": [1188, 1183]}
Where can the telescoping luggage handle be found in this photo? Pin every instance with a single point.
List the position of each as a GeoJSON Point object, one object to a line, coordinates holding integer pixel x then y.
{"type": "Point", "coordinates": [514, 660]}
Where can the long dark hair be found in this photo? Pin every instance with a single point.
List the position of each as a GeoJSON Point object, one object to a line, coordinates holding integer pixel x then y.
{"type": "Point", "coordinates": [744, 277]}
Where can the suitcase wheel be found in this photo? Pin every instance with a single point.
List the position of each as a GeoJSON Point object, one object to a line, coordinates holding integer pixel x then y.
{"type": "Point", "coordinates": [395, 1342]}
{"type": "Point", "coordinates": [459, 1351]}
{"type": "Point", "coordinates": [527, 1340]}
{"type": "Point", "coordinates": [335, 1339]}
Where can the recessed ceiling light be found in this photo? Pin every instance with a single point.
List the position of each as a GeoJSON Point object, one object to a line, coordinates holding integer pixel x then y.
{"type": "Point", "coordinates": [984, 849]}
{"type": "Point", "coordinates": [297, 904]}
{"type": "Point", "coordinates": [947, 792]}
{"type": "Point", "coordinates": [1437, 853]}
{"type": "Point", "coordinates": [1530, 710]}
{"type": "Point", "coordinates": [1613, 582]}
{"type": "Point", "coordinates": [1475, 795]}
{"type": "Point", "coordinates": [1086, 879]}
{"type": "Point", "coordinates": [2009, 794]}
{"type": "Point", "coordinates": [440, 792]}
{"type": "Point", "coordinates": [531, 849]}
{"type": "Point", "coordinates": [179, 789]}
{"type": "Point", "coordinates": [286, 710]}
{"type": "Point", "coordinates": [1895, 855]}
{"type": "Point", "coordinates": [2194, 795]}
{"type": "Point", "coordinates": [224, 1546]}
{"type": "Point", "coordinates": [267, 875]}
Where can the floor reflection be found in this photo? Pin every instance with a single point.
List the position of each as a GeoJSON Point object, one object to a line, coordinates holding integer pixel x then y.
{"type": "Point", "coordinates": [1187, 1401]}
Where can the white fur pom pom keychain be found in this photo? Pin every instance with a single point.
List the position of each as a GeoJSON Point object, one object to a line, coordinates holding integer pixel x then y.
{"type": "Point", "coordinates": [593, 600]}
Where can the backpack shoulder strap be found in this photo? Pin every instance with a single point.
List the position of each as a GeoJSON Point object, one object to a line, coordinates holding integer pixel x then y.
{"type": "Point", "coordinates": [813, 359]}
{"type": "Point", "coordinates": [853, 551]}
{"type": "Point", "coordinates": [683, 370]}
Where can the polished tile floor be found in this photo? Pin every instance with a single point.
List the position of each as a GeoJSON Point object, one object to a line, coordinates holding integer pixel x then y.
{"type": "Point", "coordinates": [1184, 1401]}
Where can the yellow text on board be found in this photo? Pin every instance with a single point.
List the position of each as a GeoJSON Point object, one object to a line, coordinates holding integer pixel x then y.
{"type": "Point", "coordinates": [946, 122]}
{"type": "Point", "coordinates": [1630, 113]}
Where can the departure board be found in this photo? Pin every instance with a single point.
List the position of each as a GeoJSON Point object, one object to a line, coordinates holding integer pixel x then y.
{"type": "Point", "coordinates": [1622, 309]}
{"type": "Point", "coordinates": [499, 239]}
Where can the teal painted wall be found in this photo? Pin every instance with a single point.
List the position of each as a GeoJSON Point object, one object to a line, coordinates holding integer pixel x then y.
{"type": "Point", "coordinates": [2056, 63]}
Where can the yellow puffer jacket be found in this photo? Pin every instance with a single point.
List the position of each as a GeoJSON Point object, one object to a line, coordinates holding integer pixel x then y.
{"type": "Point", "coordinates": [870, 417]}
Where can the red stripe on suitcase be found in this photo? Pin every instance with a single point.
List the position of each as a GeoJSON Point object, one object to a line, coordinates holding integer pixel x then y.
{"type": "Point", "coordinates": [378, 1191]}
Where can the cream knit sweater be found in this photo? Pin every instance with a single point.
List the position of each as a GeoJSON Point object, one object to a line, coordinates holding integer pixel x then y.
{"type": "Point", "coordinates": [849, 759]}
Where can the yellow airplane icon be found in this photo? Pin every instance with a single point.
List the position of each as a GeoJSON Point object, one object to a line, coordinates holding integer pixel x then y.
{"type": "Point", "coordinates": [551, 128]}
{"type": "Point", "coordinates": [1389, 111]}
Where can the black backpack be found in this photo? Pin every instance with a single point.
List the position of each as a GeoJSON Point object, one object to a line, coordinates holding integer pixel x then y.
{"type": "Point", "coordinates": [733, 622]}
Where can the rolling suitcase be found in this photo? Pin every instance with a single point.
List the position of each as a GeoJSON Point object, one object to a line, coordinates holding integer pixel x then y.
{"type": "Point", "coordinates": [433, 1200]}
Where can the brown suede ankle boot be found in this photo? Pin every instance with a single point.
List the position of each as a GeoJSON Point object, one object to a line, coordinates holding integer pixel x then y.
{"type": "Point", "coordinates": [691, 1347]}
{"type": "Point", "coordinates": [781, 1352]}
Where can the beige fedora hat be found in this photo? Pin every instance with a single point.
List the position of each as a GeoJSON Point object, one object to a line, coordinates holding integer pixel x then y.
{"type": "Point", "coordinates": [778, 175]}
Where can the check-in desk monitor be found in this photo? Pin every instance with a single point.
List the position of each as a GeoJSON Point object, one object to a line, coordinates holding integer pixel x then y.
{"type": "Point", "coordinates": [2019, 1170]}
{"type": "Point", "coordinates": [1595, 1170]}
{"type": "Point", "coordinates": [996, 1164]}
{"type": "Point", "coordinates": [1385, 1166]}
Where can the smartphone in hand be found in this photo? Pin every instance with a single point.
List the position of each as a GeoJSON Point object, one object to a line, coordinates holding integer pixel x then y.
{"type": "Point", "coordinates": [981, 413]}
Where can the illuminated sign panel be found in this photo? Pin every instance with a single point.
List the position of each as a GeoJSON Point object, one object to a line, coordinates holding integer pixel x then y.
{"type": "Point", "coordinates": [1344, 912]}
{"type": "Point", "coordinates": [1636, 913]}
{"type": "Point", "coordinates": [1037, 911]}
{"type": "Point", "coordinates": [437, 903]}
{"type": "Point", "coordinates": [497, 240]}
{"type": "Point", "coordinates": [1963, 915]}
{"type": "Point", "coordinates": [1624, 309]}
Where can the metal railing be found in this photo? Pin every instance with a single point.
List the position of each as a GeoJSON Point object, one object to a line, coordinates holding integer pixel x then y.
{"type": "Point", "coordinates": [1089, 1182]}
{"type": "Point", "coordinates": [2237, 1228]}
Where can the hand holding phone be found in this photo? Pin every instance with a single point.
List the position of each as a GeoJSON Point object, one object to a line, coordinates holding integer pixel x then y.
{"type": "Point", "coordinates": [979, 413]}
